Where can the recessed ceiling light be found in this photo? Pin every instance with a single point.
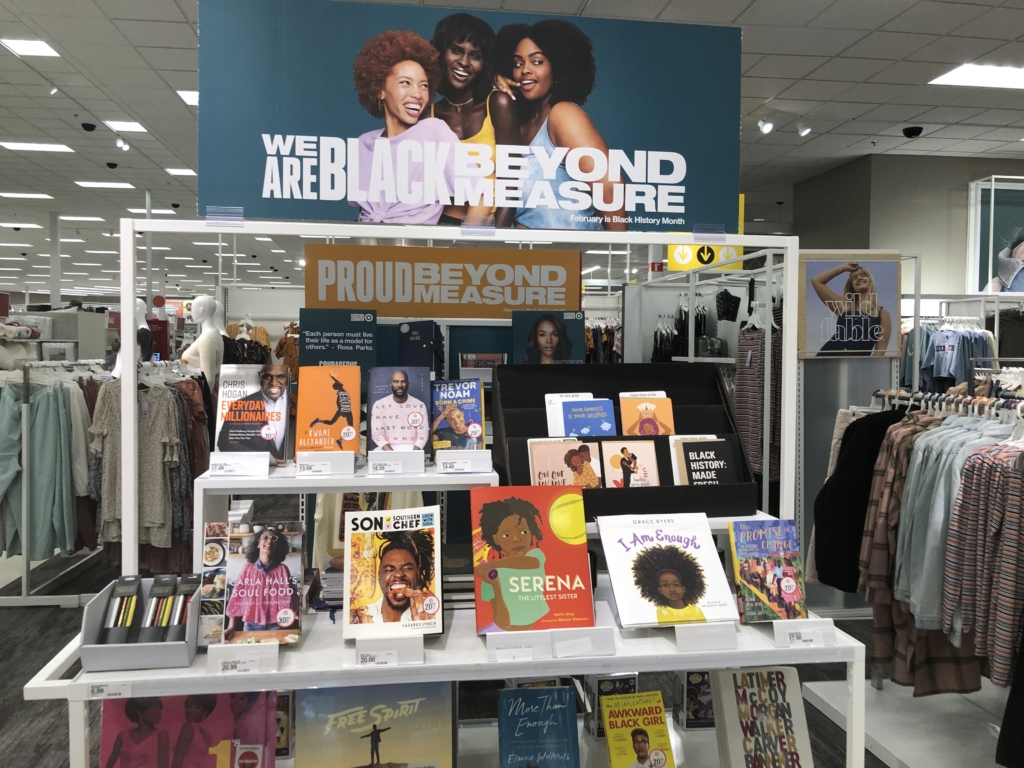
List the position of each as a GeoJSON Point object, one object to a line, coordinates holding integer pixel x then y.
{"type": "Point", "coordinates": [125, 126]}
{"type": "Point", "coordinates": [82, 218]}
{"type": "Point", "coordinates": [264, 239]}
{"type": "Point", "coordinates": [12, 258]}
{"type": "Point", "coordinates": [605, 253]}
{"type": "Point", "coordinates": [158, 247]}
{"type": "Point", "coordinates": [86, 264]}
{"type": "Point", "coordinates": [180, 171]}
{"type": "Point", "coordinates": [110, 252]}
{"type": "Point", "coordinates": [69, 240]}
{"type": "Point", "coordinates": [155, 211]}
{"type": "Point", "coordinates": [27, 195]}
{"type": "Point", "coordinates": [765, 125]}
{"type": "Point", "coordinates": [105, 184]}
{"type": "Point", "coordinates": [10, 269]}
{"type": "Point", "coordinates": [190, 97]}
{"type": "Point", "coordinates": [178, 258]}
{"type": "Point", "coordinates": [29, 48]}
{"type": "Point", "coordinates": [35, 282]}
{"type": "Point", "coordinates": [22, 226]}
{"type": "Point", "coordinates": [302, 262]}
{"type": "Point", "coordinates": [983, 76]}
{"type": "Point", "coordinates": [588, 270]}
{"type": "Point", "coordinates": [15, 245]}
{"type": "Point", "coordinates": [758, 219]}
{"type": "Point", "coordinates": [206, 243]}
{"type": "Point", "coordinates": [76, 273]}
{"type": "Point", "coordinates": [34, 146]}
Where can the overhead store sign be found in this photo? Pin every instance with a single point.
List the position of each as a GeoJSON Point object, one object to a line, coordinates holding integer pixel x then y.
{"type": "Point", "coordinates": [682, 258]}
{"type": "Point", "coordinates": [441, 282]}
{"type": "Point", "coordinates": [293, 116]}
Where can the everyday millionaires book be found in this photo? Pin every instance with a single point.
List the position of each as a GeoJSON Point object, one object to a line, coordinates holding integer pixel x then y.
{"type": "Point", "coordinates": [328, 413]}
{"type": "Point", "coordinates": [252, 410]}
{"type": "Point", "coordinates": [665, 570]}
{"type": "Point", "coordinates": [457, 413]}
{"type": "Point", "coordinates": [637, 730]}
{"type": "Point", "coordinates": [531, 569]}
{"type": "Point", "coordinates": [537, 728]}
{"type": "Point", "coordinates": [768, 570]}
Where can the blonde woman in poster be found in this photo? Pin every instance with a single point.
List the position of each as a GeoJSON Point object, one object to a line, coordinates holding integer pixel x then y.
{"type": "Point", "coordinates": [863, 327]}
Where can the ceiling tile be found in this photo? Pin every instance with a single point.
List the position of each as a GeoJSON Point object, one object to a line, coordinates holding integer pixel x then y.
{"type": "Point", "coordinates": [839, 110]}
{"type": "Point", "coordinates": [975, 145]}
{"type": "Point", "coordinates": [783, 13]}
{"type": "Point", "coordinates": [860, 14]}
{"type": "Point", "coordinates": [119, 56]}
{"type": "Point", "coordinates": [934, 18]}
{"type": "Point", "coordinates": [568, 7]}
{"type": "Point", "coordinates": [77, 29]}
{"type": "Point", "coordinates": [171, 58]}
{"type": "Point", "coordinates": [190, 9]}
{"type": "Point", "coordinates": [875, 92]}
{"type": "Point", "coordinates": [996, 117]}
{"type": "Point", "coordinates": [614, 9]}
{"type": "Point", "coordinates": [954, 50]}
{"type": "Point", "coordinates": [889, 45]}
{"type": "Point", "coordinates": [116, 77]}
{"type": "Point", "coordinates": [798, 40]}
{"type": "Point", "coordinates": [763, 87]}
{"type": "Point", "coordinates": [785, 66]}
{"type": "Point", "coordinates": [817, 90]}
{"type": "Point", "coordinates": [948, 114]}
{"type": "Point", "coordinates": [760, 153]}
{"type": "Point", "coordinates": [929, 95]}
{"type": "Point", "coordinates": [80, 8]}
{"type": "Point", "coordinates": [931, 144]}
{"type": "Point", "coordinates": [1008, 55]}
{"type": "Point", "coordinates": [1003, 134]}
{"type": "Point", "coordinates": [747, 60]}
{"type": "Point", "coordinates": [794, 107]}
{"type": "Point", "coordinates": [893, 113]}
{"type": "Point", "coordinates": [164, 34]}
{"type": "Point", "coordinates": [992, 98]}
{"type": "Point", "coordinates": [861, 127]}
{"type": "Point", "coordinates": [849, 69]}
{"type": "Point", "coordinates": [910, 73]}
{"type": "Point", "coordinates": [881, 144]}
{"type": "Point", "coordinates": [750, 104]}
{"type": "Point", "coordinates": [701, 11]}
{"type": "Point", "coordinates": [998, 24]}
{"type": "Point", "coordinates": [960, 132]}
{"type": "Point", "coordinates": [146, 10]}
{"type": "Point", "coordinates": [181, 81]}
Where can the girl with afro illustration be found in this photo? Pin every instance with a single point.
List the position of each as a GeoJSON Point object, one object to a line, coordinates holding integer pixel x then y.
{"type": "Point", "coordinates": [673, 580]}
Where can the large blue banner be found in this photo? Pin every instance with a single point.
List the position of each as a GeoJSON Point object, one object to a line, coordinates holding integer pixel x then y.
{"type": "Point", "coordinates": [332, 111]}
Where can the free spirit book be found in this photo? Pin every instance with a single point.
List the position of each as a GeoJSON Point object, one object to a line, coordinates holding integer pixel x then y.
{"type": "Point", "coordinates": [531, 569]}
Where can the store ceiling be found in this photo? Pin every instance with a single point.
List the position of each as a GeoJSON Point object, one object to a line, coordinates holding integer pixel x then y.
{"type": "Point", "coordinates": [855, 71]}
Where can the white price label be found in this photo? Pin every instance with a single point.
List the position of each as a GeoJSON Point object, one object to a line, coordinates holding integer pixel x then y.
{"type": "Point", "coordinates": [459, 465]}
{"type": "Point", "coordinates": [385, 467]}
{"type": "Point", "coordinates": [515, 653]}
{"type": "Point", "coordinates": [223, 468]}
{"type": "Point", "coordinates": [110, 690]}
{"type": "Point", "coordinates": [238, 666]}
{"type": "Point", "coordinates": [805, 638]}
{"type": "Point", "coordinates": [314, 468]}
{"type": "Point", "coordinates": [378, 659]}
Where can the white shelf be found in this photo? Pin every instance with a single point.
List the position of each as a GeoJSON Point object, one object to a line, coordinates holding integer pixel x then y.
{"type": "Point", "coordinates": [718, 524]}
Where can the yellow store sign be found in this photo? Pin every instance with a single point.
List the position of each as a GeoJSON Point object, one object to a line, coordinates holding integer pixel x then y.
{"type": "Point", "coordinates": [682, 258]}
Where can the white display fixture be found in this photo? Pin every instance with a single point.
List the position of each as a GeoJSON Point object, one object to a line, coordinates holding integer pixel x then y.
{"type": "Point", "coordinates": [713, 635]}
{"type": "Point", "coordinates": [317, 463]}
{"type": "Point", "coordinates": [569, 642]}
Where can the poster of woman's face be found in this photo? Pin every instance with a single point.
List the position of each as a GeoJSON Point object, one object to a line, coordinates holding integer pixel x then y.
{"type": "Point", "coordinates": [542, 337]}
{"type": "Point", "coordinates": [849, 305]}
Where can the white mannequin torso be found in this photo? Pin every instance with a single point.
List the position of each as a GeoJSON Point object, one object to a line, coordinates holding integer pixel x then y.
{"type": "Point", "coordinates": [207, 351]}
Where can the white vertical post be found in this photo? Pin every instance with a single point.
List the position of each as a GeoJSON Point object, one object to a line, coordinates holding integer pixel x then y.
{"type": "Point", "coordinates": [787, 448]}
{"type": "Point", "coordinates": [855, 710]}
{"type": "Point", "coordinates": [766, 436]}
{"type": "Point", "coordinates": [916, 362]}
{"type": "Point", "coordinates": [691, 318]}
{"type": "Point", "coordinates": [26, 492]}
{"type": "Point", "coordinates": [78, 734]}
{"type": "Point", "coordinates": [991, 227]}
{"type": "Point", "coordinates": [149, 256]}
{"type": "Point", "coordinates": [129, 417]}
{"type": "Point", "coordinates": [54, 259]}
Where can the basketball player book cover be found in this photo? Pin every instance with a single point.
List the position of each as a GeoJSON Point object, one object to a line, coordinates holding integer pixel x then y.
{"type": "Point", "coordinates": [328, 413]}
{"type": "Point", "coordinates": [530, 563]}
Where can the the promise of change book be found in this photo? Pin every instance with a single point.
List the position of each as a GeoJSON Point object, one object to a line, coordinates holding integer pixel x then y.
{"type": "Point", "coordinates": [768, 570]}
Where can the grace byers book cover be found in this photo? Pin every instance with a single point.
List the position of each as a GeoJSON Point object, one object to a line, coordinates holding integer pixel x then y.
{"type": "Point", "coordinates": [564, 461]}
{"type": "Point", "coordinates": [537, 728]}
{"type": "Point", "coordinates": [328, 413]}
{"type": "Point", "coordinates": [665, 570]}
{"type": "Point", "coordinates": [392, 726]}
{"type": "Point", "coordinates": [629, 463]}
{"type": "Point", "coordinates": [768, 570]}
{"type": "Point", "coordinates": [637, 731]}
{"type": "Point", "coordinates": [530, 563]}
{"type": "Point", "coordinates": [646, 416]}
{"type": "Point", "coordinates": [457, 410]}
{"type": "Point", "coordinates": [398, 409]}
{"type": "Point", "coordinates": [393, 562]}
{"type": "Point", "coordinates": [252, 410]}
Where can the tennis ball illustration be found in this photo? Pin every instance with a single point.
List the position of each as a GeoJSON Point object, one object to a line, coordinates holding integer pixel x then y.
{"type": "Point", "coordinates": [566, 519]}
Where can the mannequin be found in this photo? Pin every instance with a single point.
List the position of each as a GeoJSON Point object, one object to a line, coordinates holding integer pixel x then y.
{"type": "Point", "coordinates": [207, 352]}
{"type": "Point", "coordinates": [218, 319]}
{"type": "Point", "coordinates": [143, 339]}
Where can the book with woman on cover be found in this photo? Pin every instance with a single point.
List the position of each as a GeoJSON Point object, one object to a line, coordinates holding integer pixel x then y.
{"type": "Point", "coordinates": [328, 413]}
{"type": "Point", "coordinates": [457, 409]}
{"type": "Point", "coordinates": [537, 728]}
{"type": "Point", "coordinates": [530, 562]}
{"type": "Point", "coordinates": [564, 461]}
{"type": "Point", "coordinates": [665, 570]}
{"type": "Point", "coordinates": [629, 463]}
{"type": "Point", "coordinates": [768, 570]}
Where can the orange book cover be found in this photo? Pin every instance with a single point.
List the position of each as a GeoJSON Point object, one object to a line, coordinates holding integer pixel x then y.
{"type": "Point", "coordinates": [328, 413]}
{"type": "Point", "coordinates": [646, 416]}
{"type": "Point", "coordinates": [531, 569]}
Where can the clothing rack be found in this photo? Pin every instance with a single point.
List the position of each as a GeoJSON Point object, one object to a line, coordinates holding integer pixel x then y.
{"type": "Point", "coordinates": [30, 597]}
{"type": "Point", "coordinates": [973, 369]}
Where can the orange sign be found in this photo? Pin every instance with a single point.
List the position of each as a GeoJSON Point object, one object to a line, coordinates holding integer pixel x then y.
{"type": "Point", "coordinates": [441, 282]}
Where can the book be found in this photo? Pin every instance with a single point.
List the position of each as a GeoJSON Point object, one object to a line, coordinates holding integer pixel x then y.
{"type": "Point", "coordinates": [636, 730]}
{"type": "Point", "coordinates": [629, 463]}
{"type": "Point", "coordinates": [530, 563]}
{"type": "Point", "coordinates": [252, 594]}
{"type": "Point", "coordinates": [393, 562]}
{"type": "Point", "coordinates": [692, 707]}
{"type": "Point", "coordinates": [760, 718]}
{"type": "Point", "coordinates": [665, 569]}
{"type": "Point", "coordinates": [398, 409]}
{"type": "Point", "coordinates": [457, 409]}
{"type": "Point", "coordinates": [407, 724]}
{"type": "Point", "coordinates": [646, 416]}
{"type": "Point", "coordinates": [197, 730]}
{"type": "Point", "coordinates": [555, 414]}
{"type": "Point", "coordinates": [328, 413]}
{"type": "Point", "coordinates": [768, 570]}
{"type": "Point", "coordinates": [596, 687]}
{"type": "Point", "coordinates": [252, 410]}
{"type": "Point", "coordinates": [421, 343]}
{"type": "Point", "coordinates": [588, 418]}
{"type": "Point", "coordinates": [482, 359]}
{"type": "Point", "coordinates": [537, 728]}
{"type": "Point", "coordinates": [284, 742]}
{"type": "Point", "coordinates": [702, 460]}
{"type": "Point", "coordinates": [564, 461]}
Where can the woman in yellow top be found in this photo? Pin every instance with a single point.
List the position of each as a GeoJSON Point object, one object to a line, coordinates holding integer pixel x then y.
{"type": "Point", "coordinates": [673, 580]}
{"type": "Point", "coordinates": [582, 473]}
{"type": "Point", "coordinates": [470, 106]}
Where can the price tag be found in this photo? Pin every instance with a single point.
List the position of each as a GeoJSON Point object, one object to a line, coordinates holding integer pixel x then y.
{"type": "Point", "coordinates": [314, 468]}
{"type": "Point", "coordinates": [805, 638]}
{"type": "Point", "coordinates": [378, 467]}
{"type": "Point", "coordinates": [224, 468]}
{"type": "Point", "coordinates": [377, 659]}
{"type": "Point", "coordinates": [459, 465]}
{"type": "Point", "coordinates": [240, 665]}
{"type": "Point", "coordinates": [110, 690]}
{"type": "Point", "coordinates": [514, 653]}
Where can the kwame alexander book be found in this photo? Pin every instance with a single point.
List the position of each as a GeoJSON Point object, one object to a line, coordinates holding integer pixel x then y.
{"type": "Point", "coordinates": [328, 413]}
{"type": "Point", "coordinates": [637, 731]}
{"type": "Point", "coordinates": [531, 569]}
{"type": "Point", "coordinates": [537, 728]}
{"type": "Point", "coordinates": [768, 570]}
{"type": "Point", "coordinates": [457, 411]}
{"type": "Point", "coordinates": [393, 567]}
{"type": "Point", "coordinates": [405, 725]}
{"type": "Point", "coordinates": [252, 410]}
{"type": "Point", "coordinates": [665, 570]}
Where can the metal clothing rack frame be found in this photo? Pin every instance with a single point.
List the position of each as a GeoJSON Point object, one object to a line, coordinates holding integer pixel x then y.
{"type": "Point", "coordinates": [972, 369]}
{"type": "Point", "coordinates": [30, 597]}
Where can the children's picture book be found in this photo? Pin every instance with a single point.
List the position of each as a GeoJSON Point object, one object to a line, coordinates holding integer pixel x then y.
{"type": "Point", "coordinates": [702, 460]}
{"type": "Point", "coordinates": [203, 729]}
{"type": "Point", "coordinates": [768, 570]}
{"type": "Point", "coordinates": [588, 418]}
{"type": "Point", "coordinates": [665, 570]}
{"type": "Point", "coordinates": [646, 416]}
{"type": "Point", "coordinates": [637, 731]}
{"type": "Point", "coordinates": [252, 410]}
{"type": "Point", "coordinates": [556, 414]}
{"type": "Point", "coordinates": [629, 463]}
{"type": "Point", "coordinates": [393, 561]}
{"type": "Point", "coordinates": [328, 413]}
{"type": "Point", "coordinates": [760, 718]}
{"type": "Point", "coordinates": [457, 410]}
{"type": "Point", "coordinates": [408, 724]}
{"type": "Point", "coordinates": [398, 409]}
{"type": "Point", "coordinates": [537, 728]}
{"type": "Point", "coordinates": [692, 706]}
{"type": "Point", "coordinates": [564, 461]}
{"type": "Point", "coordinates": [530, 563]}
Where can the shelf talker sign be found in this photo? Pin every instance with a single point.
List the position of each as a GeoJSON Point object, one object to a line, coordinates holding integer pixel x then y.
{"type": "Point", "coordinates": [682, 258]}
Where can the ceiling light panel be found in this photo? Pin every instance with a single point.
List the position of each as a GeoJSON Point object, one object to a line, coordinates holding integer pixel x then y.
{"type": "Point", "coordinates": [180, 171]}
{"type": "Point", "coordinates": [154, 211]}
{"type": "Point", "coordinates": [983, 76]}
{"type": "Point", "coordinates": [34, 146]}
{"type": "Point", "coordinates": [82, 218]}
{"type": "Point", "coordinates": [29, 48]}
{"type": "Point", "coordinates": [125, 126]}
{"type": "Point", "coordinates": [26, 195]}
{"type": "Point", "coordinates": [105, 184]}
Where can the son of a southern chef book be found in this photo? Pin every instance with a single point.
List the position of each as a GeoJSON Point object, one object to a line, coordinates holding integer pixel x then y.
{"type": "Point", "coordinates": [408, 724]}
{"type": "Point", "coordinates": [537, 728]}
{"type": "Point", "coordinates": [768, 570]}
{"type": "Point", "coordinates": [564, 461]}
{"type": "Point", "coordinates": [252, 410]}
{"type": "Point", "coordinates": [328, 413]}
{"type": "Point", "coordinates": [702, 460]}
{"type": "Point", "coordinates": [530, 562]}
{"type": "Point", "coordinates": [665, 570]}
{"type": "Point", "coordinates": [588, 418]}
{"type": "Point", "coordinates": [759, 717]}
{"type": "Point", "coordinates": [556, 417]}
{"type": "Point", "coordinates": [457, 413]}
{"type": "Point", "coordinates": [637, 731]}
{"type": "Point", "coordinates": [646, 416]}
{"type": "Point", "coordinates": [393, 562]}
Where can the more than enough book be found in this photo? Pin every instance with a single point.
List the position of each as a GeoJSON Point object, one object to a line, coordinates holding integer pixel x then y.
{"type": "Point", "coordinates": [537, 728]}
